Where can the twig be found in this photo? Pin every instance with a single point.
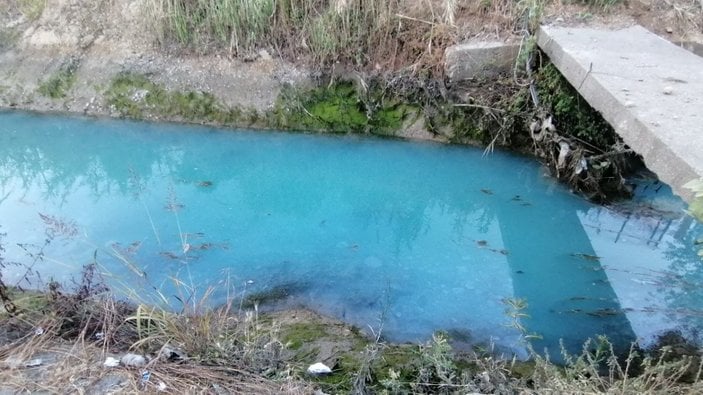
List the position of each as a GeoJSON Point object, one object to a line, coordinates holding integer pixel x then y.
{"type": "Point", "coordinates": [607, 154]}
{"type": "Point", "coordinates": [478, 106]}
{"type": "Point", "coordinates": [415, 19]}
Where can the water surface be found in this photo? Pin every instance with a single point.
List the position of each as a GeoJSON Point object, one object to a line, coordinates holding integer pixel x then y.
{"type": "Point", "coordinates": [415, 236]}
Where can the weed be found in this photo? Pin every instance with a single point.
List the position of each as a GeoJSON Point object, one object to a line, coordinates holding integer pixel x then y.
{"type": "Point", "coordinates": [135, 96]}
{"type": "Point", "coordinates": [57, 85]}
{"type": "Point", "coordinates": [600, 4]}
{"type": "Point", "coordinates": [271, 295]}
{"type": "Point", "coordinates": [8, 38]}
{"type": "Point", "coordinates": [32, 9]}
{"type": "Point", "coordinates": [299, 333]}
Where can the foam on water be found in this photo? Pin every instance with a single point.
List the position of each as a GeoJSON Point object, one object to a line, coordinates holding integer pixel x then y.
{"type": "Point", "coordinates": [419, 236]}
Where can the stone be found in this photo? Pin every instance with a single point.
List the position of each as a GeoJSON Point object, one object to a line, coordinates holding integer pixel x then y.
{"type": "Point", "coordinates": [133, 360]}
{"type": "Point", "coordinates": [32, 363]}
{"type": "Point", "coordinates": [484, 59]}
{"type": "Point", "coordinates": [319, 369]}
{"type": "Point", "coordinates": [111, 362]}
{"type": "Point", "coordinates": [264, 55]}
{"type": "Point", "coordinates": [621, 73]}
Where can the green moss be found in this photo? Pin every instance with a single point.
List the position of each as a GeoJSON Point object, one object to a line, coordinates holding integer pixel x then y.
{"type": "Point", "coordinates": [8, 37]}
{"type": "Point", "coordinates": [340, 108]}
{"type": "Point", "coordinates": [341, 380]}
{"type": "Point", "coordinates": [58, 84]}
{"type": "Point", "coordinates": [27, 302]}
{"type": "Point", "coordinates": [136, 96]}
{"type": "Point", "coordinates": [297, 334]}
{"type": "Point", "coordinates": [270, 295]}
{"type": "Point", "coordinates": [522, 369]}
{"type": "Point", "coordinates": [573, 116]}
{"type": "Point", "coordinates": [336, 108]}
{"type": "Point", "coordinates": [403, 359]}
{"type": "Point", "coordinates": [32, 9]}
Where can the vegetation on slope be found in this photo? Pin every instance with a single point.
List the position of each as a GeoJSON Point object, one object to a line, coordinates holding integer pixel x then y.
{"type": "Point", "coordinates": [236, 350]}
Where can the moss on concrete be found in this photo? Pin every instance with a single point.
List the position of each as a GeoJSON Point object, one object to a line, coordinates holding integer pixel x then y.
{"type": "Point", "coordinates": [339, 108]}
{"type": "Point", "coordinates": [295, 335]}
{"type": "Point", "coordinates": [136, 96]}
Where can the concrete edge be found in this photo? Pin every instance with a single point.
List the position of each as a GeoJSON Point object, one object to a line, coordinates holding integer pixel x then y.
{"type": "Point", "coordinates": [658, 157]}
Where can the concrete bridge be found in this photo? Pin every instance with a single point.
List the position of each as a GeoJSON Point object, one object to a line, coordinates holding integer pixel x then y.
{"type": "Point", "coordinates": [648, 89]}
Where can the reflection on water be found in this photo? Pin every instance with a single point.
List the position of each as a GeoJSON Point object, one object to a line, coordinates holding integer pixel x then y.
{"type": "Point", "coordinates": [420, 236]}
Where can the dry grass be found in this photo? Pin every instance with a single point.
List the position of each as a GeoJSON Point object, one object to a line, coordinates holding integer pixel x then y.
{"type": "Point", "coordinates": [386, 34]}
{"type": "Point", "coordinates": [225, 354]}
{"type": "Point", "coordinates": [225, 351]}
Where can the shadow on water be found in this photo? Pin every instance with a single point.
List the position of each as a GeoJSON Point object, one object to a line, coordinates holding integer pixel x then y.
{"type": "Point", "coordinates": [569, 298]}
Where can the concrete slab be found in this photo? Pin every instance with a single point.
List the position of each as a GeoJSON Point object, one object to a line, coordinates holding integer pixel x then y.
{"type": "Point", "coordinates": [649, 90]}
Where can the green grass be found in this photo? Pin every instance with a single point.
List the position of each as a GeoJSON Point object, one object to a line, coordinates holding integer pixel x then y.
{"type": "Point", "coordinates": [600, 4]}
{"type": "Point", "coordinates": [32, 9]}
{"type": "Point", "coordinates": [57, 85]}
{"type": "Point", "coordinates": [8, 37]}
{"type": "Point", "coordinates": [136, 96]}
{"type": "Point", "coordinates": [341, 108]}
{"type": "Point", "coordinates": [295, 335]}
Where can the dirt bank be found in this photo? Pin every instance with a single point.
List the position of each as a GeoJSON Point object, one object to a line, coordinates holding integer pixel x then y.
{"type": "Point", "coordinates": [105, 38]}
{"type": "Point", "coordinates": [97, 40]}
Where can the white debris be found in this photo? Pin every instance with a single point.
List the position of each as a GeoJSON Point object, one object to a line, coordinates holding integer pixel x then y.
{"type": "Point", "coordinates": [319, 369]}
{"type": "Point", "coordinates": [264, 55]}
{"type": "Point", "coordinates": [111, 362]}
{"type": "Point", "coordinates": [133, 360]}
{"type": "Point", "coordinates": [547, 125]}
{"type": "Point", "coordinates": [564, 151]}
{"type": "Point", "coordinates": [139, 95]}
{"type": "Point", "coordinates": [33, 363]}
{"type": "Point", "coordinates": [485, 377]}
{"type": "Point", "coordinates": [668, 90]}
{"type": "Point", "coordinates": [581, 166]}
{"type": "Point", "coordinates": [39, 331]}
{"type": "Point", "coordinates": [161, 387]}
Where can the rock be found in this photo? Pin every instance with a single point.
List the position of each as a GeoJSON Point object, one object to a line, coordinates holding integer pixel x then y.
{"type": "Point", "coordinates": [111, 362]}
{"type": "Point", "coordinates": [264, 55]}
{"type": "Point", "coordinates": [110, 383]}
{"type": "Point", "coordinates": [479, 60]}
{"type": "Point", "coordinates": [133, 360]}
{"type": "Point", "coordinates": [170, 354]}
{"type": "Point", "coordinates": [319, 369]}
{"type": "Point", "coordinates": [33, 363]}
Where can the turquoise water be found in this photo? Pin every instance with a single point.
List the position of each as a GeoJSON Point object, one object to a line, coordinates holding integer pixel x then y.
{"type": "Point", "coordinates": [412, 236]}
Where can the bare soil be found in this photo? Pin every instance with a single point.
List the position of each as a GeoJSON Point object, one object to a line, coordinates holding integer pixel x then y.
{"type": "Point", "coordinates": [107, 37]}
